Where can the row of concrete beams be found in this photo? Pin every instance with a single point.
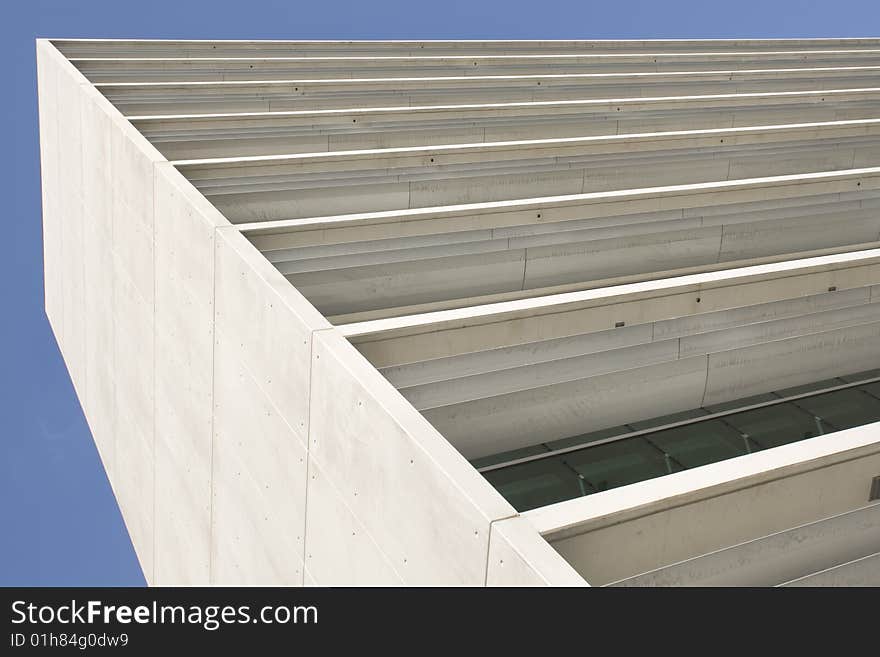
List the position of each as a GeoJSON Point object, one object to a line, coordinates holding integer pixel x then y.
{"type": "Point", "coordinates": [104, 70]}
{"type": "Point", "coordinates": [421, 221]}
{"type": "Point", "coordinates": [170, 98]}
{"type": "Point", "coordinates": [411, 338]}
{"type": "Point", "coordinates": [708, 222]}
{"type": "Point", "coordinates": [297, 186]}
{"type": "Point", "coordinates": [513, 397]}
{"type": "Point", "coordinates": [375, 275]}
{"type": "Point", "coordinates": [78, 48]}
{"type": "Point", "coordinates": [432, 383]}
{"type": "Point", "coordinates": [530, 371]}
{"type": "Point", "coordinates": [272, 188]}
{"type": "Point", "coordinates": [271, 133]}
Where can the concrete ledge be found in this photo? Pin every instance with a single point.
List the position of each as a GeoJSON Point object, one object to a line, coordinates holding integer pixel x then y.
{"type": "Point", "coordinates": [615, 534]}
{"type": "Point", "coordinates": [518, 556]}
{"type": "Point", "coordinates": [414, 337]}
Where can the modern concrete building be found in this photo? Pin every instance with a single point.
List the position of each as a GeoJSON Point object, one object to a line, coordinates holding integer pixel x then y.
{"type": "Point", "coordinates": [469, 313]}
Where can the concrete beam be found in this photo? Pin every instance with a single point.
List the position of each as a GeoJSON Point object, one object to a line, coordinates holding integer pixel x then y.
{"type": "Point", "coordinates": [167, 69]}
{"type": "Point", "coordinates": [771, 560]}
{"type": "Point", "coordinates": [302, 131]}
{"type": "Point", "coordinates": [619, 533]}
{"type": "Point", "coordinates": [125, 48]}
{"type": "Point", "coordinates": [168, 98]}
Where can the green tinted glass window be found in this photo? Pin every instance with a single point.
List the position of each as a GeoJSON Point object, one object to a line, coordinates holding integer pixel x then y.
{"type": "Point", "coordinates": [620, 463]}
{"type": "Point", "coordinates": [512, 455]}
{"type": "Point", "coordinates": [872, 389]}
{"type": "Point", "coordinates": [843, 409]}
{"type": "Point", "coordinates": [623, 459]}
{"type": "Point", "coordinates": [536, 483]}
{"type": "Point", "coordinates": [587, 438]}
{"type": "Point", "coordinates": [669, 419]}
{"type": "Point", "coordinates": [775, 425]}
{"type": "Point", "coordinates": [701, 443]}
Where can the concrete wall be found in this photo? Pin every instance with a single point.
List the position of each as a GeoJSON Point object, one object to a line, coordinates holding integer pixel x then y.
{"type": "Point", "coordinates": [247, 442]}
{"type": "Point", "coordinates": [100, 296]}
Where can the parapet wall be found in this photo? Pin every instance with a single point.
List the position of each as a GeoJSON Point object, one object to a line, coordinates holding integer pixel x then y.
{"type": "Point", "coordinates": [246, 441]}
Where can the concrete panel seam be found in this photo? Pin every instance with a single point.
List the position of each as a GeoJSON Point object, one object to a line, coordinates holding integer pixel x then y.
{"type": "Point", "coordinates": [154, 170]}
{"type": "Point", "coordinates": [421, 444]}
{"type": "Point", "coordinates": [489, 544]}
{"type": "Point", "coordinates": [706, 384]}
{"type": "Point", "coordinates": [305, 533]}
{"type": "Point", "coordinates": [309, 457]}
{"type": "Point", "coordinates": [305, 521]}
{"type": "Point", "coordinates": [211, 537]}
{"type": "Point", "coordinates": [82, 263]}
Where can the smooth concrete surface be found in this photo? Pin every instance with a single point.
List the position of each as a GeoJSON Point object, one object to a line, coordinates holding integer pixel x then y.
{"type": "Point", "coordinates": [774, 560]}
{"type": "Point", "coordinates": [259, 475]}
{"type": "Point", "coordinates": [400, 452]}
{"type": "Point", "coordinates": [98, 259]}
{"type": "Point", "coordinates": [193, 359]}
{"type": "Point", "coordinates": [344, 551]}
{"type": "Point", "coordinates": [859, 572]}
{"type": "Point", "coordinates": [47, 73]}
{"type": "Point", "coordinates": [98, 236]}
{"type": "Point", "coordinates": [262, 331]}
{"type": "Point", "coordinates": [511, 566]}
{"type": "Point", "coordinates": [185, 227]}
{"type": "Point", "coordinates": [69, 181]}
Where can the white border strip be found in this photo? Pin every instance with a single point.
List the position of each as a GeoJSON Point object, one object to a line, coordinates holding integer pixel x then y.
{"type": "Point", "coordinates": [703, 482]}
{"type": "Point", "coordinates": [486, 311]}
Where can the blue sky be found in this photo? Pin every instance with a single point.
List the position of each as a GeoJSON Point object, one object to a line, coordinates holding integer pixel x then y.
{"type": "Point", "coordinates": [59, 523]}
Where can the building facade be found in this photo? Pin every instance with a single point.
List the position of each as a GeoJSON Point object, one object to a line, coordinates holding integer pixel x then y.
{"type": "Point", "coordinates": [474, 313]}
